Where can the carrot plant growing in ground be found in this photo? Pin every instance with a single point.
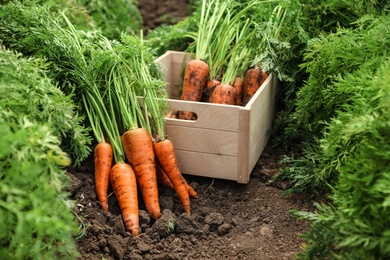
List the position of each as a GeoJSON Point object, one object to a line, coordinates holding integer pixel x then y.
{"type": "Point", "coordinates": [102, 75]}
{"type": "Point", "coordinates": [114, 17]}
{"type": "Point", "coordinates": [341, 86]}
{"type": "Point", "coordinates": [35, 213]}
{"type": "Point", "coordinates": [356, 225]}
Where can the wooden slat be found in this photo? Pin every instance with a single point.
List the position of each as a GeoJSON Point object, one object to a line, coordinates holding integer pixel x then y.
{"type": "Point", "coordinates": [203, 140]}
{"type": "Point", "coordinates": [243, 147]}
{"type": "Point", "coordinates": [262, 121]}
{"type": "Point", "coordinates": [174, 62]}
{"type": "Point", "coordinates": [210, 116]}
{"type": "Point", "coordinates": [207, 165]}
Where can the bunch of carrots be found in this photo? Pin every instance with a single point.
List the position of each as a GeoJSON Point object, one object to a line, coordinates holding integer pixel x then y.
{"type": "Point", "coordinates": [138, 154]}
{"type": "Point", "coordinates": [220, 71]}
{"type": "Point", "coordinates": [132, 152]}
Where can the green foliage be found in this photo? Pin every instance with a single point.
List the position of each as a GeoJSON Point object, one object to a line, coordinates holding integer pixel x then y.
{"type": "Point", "coordinates": [342, 67]}
{"type": "Point", "coordinates": [328, 60]}
{"type": "Point", "coordinates": [34, 209]}
{"type": "Point", "coordinates": [357, 226]}
{"type": "Point", "coordinates": [25, 89]}
{"type": "Point", "coordinates": [173, 37]}
{"type": "Point", "coordinates": [283, 53]}
{"type": "Point", "coordinates": [114, 17]}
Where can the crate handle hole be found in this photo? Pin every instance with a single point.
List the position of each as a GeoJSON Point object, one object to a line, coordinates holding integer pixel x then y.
{"type": "Point", "coordinates": [182, 115]}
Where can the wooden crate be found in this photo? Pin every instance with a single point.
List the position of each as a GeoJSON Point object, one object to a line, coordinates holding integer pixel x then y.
{"type": "Point", "coordinates": [225, 141]}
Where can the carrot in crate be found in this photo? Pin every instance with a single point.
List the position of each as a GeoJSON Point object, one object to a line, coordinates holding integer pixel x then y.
{"type": "Point", "coordinates": [253, 79]}
{"type": "Point", "coordinates": [195, 78]}
{"type": "Point", "coordinates": [224, 94]}
{"type": "Point", "coordinates": [237, 84]}
{"type": "Point", "coordinates": [210, 86]}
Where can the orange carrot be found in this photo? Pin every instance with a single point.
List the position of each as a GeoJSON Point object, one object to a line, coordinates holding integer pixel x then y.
{"type": "Point", "coordinates": [253, 79]}
{"type": "Point", "coordinates": [210, 86]}
{"type": "Point", "coordinates": [103, 154]}
{"type": "Point", "coordinates": [193, 194]}
{"type": "Point", "coordinates": [165, 155]}
{"type": "Point", "coordinates": [195, 78]}
{"type": "Point", "coordinates": [163, 180]}
{"type": "Point", "coordinates": [138, 148]}
{"type": "Point", "coordinates": [124, 183]}
{"type": "Point", "coordinates": [162, 177]}
{"type": "Point", "coordinates": [224, 94]}
{"type": "Point", "coordinates": [237, 84]}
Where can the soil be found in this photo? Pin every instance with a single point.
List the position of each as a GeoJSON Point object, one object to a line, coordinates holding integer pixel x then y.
{"type": "Point", "coordinates": [228, 221]}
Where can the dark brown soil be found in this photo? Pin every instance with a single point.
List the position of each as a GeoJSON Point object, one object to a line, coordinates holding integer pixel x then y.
{"type": "Point", "coordinates": [227, 221]}
{"type": "Point", "coordinates": [154, 12]}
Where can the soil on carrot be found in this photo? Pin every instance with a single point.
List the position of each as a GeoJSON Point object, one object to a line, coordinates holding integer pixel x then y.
{"type": "Point", "coordinates": [228, 221]}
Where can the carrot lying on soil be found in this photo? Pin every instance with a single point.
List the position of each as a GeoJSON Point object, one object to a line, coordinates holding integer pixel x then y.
{"type": "Point", "coordinates": [193, 194]}
{"type": "Point", "coordinates": [138, 148]}
{"type": "Point", "coordinates": [124, 183]}
{"type": "Point", "coordinates": [237, 84]}
{"type": "Point", "coordinates": [165, 155]}
{"type": "Point", "coordinates": [162, 177]}
{"type": "Point", "coordinates": [195, 77]}
{"type": "Point", "coordinates": [103, 154]}
{"type": "Point", "coordinates": [253, 79]}
{"type": "Point", "coordinates": [163, 180]}
{"type": "Point", "coordinates": [224, 94]}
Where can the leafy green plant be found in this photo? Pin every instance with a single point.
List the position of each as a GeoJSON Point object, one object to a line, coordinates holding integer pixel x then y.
{"type": "Point", "coordinates": [34, 208]}
{"type": "Point", "coordinates": [26, 89]}
{"type": "Point", "coordinates": [342, 67]}
{"type": "Point", "coordinates": [114, 17]}
{"type": "Point", "coordinates": [173, 37]}
{"type": "Point", "coordinates": [171, 226]}
{"type": "Point", "coordinates": [357, 225]}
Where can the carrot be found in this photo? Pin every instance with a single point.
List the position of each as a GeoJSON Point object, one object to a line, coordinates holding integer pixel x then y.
{"type": "Point", "coordinates": [103, 154]}
{"type": "Point", "coordinates": [162, 177]}
{"type": "Point", "coordinates": [237, 84]}
{"type": "Point", "coordinates": [195, 77]}
{"type": "Point", "coordinates": [165, 155]}
{"type": "Point", "coordinates": [138, 148]}
{"type": "Point", "coordinates": [193, 194]}
{"type": "Point", "coordinates": [163, 180]}
{"type": "Point", "coordinates": [124, 183]}
{"type": "Point", "coordinates": [210, 86]}
{"type": "Point", "coordinates": [224, 94]}
{"type": "Point", "coordinates": [171, 114]}
{"type": "Point", "coordinates": [253, 79]}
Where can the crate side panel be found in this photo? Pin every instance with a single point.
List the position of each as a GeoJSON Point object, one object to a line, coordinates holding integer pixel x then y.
{"type": "Point", "coordinates": [207, 165]}
{"type": "Point", "coordinates": [263, 111]}
{"type": "Point", "coordinates": [261, 99]}
{"type": "Point", "coordinates": [210, 116]}
{"type": "Point", "coordinates": [243, 147]}
{"type": "Point", "coordinates": [179, 60]}
{"type": "Point", "coordinates": [165, 62]}
{"type": "Point", "coordinates": [203, 140]}
{"type": "Point", "coordinates": [172, 63]}
{"type": "Point", "coordinates": [259, 139]}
